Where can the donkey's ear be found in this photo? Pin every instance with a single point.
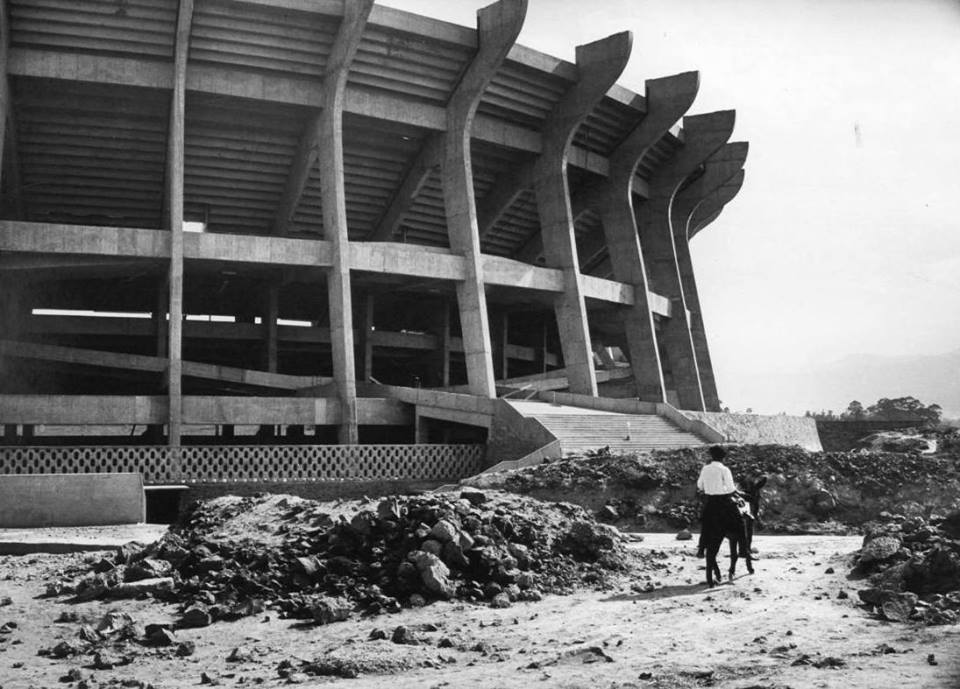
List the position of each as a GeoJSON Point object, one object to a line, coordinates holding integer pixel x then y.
{"type": "Point", "coordinates": [760, 483]}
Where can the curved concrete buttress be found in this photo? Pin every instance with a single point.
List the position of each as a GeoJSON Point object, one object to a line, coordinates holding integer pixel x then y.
{"type": "Point", "coordinates": [498, 26]}
{"type": "Point", "coordinates": [713, 205]}
{"type": "Point", "coordinates": [718, 169]}
{"type": "Point", "coordinates": [599, 64]}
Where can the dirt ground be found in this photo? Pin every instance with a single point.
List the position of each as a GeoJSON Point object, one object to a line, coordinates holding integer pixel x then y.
{"type": "Point", "coordinates": [795, 623]}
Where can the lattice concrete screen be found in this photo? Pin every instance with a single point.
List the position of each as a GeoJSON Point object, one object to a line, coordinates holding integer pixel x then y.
{"type": "Point", "coordinates": [267, 463]}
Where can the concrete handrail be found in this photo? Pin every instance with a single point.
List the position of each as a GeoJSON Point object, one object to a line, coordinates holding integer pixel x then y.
{"type": "Point", "coordinates": [695, 426]}
{"type": "Point", "coordinates": [618, 405]}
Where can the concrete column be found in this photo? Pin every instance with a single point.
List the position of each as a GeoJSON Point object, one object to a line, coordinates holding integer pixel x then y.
{"type": "Point", "coordinates": [703, 135]}
{"type": "Point", "coordinates": [599, 65]}
{"type": "Point", "coordinates": [333, 195]}
{"type": "Point", "coordinates": [365, 341]}
{"type": "Point", "coordinates": [271, 313]}
{"type": "Point", "coordinates": [160, 323]}
{"type": "Point", "coordinates": [500, 332]}
{"type": "Point", "coordinates": [497, 28]}
{"type": "Point", "coordinates": [441, 329]}
{"type": "Point", "coordinates": [4, 85]}
{"type": "Point", "coordinates": [175, 166]}
{"type": "Point", "coordinates": [723, 165]}
{"type": "Point", "coordinates": [667, 100]}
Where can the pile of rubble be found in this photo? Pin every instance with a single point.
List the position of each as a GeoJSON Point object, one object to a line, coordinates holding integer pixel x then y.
{"type": "Point", "coordinates": [810, 492]}
{"type": "Point", "coordinates": [234, 557]}
{"type": "Point", "coordinates": [913, 565]}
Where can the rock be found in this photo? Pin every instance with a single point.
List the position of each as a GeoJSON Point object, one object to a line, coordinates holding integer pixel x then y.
{"type": "Point", "coordinates": [73, 675]}
{"type": "Point", "coordinates": [240, 654]}
{"type": "Point", "coordinates": [328, 609]}
{"type": "Point", "coordinates": [185, 648]}
{"type": "Point", "coordinates": [897, 607]}
{"type": "Point", "coordinates": [417, 601]}
{"type": "Point", "coordinates": [432, 546]}
{"type": "Point", "coordinates": [210, 677]}
{"type": "Point", "coordinates": [139, 588]}
{"type": "Point", "coordinates": [107, 660]}
{"type": "Point", "coordinates": [403, 635]}
{"type": "Point", "coordinates": [684, 535]}
{"type": "Point", "coordinates": [160, 635]}
{"type": "Point", "coordinates": [879, 548]}
{"type": "Point", "coordinates": [444, 531]}
{"type": "Point", "coordinates": [475, 497]}
{"type": "Point", "coordinates": [64, 649]}
{"type": "Point", "coordinates": [950, 525]}
{"type": "Point", "coordinates": [195, 616]}
{"type": "Point", "coordinates": [390, 509]}
{"type": "Point", "coordinates": [147, 568]}
{"type": "Point", "coordinates": [454, 557]}
{"type": "Point", "coordinates": [608, 513]}
{"type": "Point", "coordinates": [501, 600]}
{"type": "Point", "coordinates": [433, 572]}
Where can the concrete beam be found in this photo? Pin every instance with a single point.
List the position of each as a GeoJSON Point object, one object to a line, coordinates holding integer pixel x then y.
{"type": "Point", "coordinates": [497, 28]}
{"type": "Point", "coordinates": [197, 410]}
{"type": "Point", "coordinates": [705, 134]}
{"type": "Point", "coordinates": [155, 364]}
{"type": "Point", "coordinates": [419, 171]}
{"type": "Point", "coordinates": [599, 65]}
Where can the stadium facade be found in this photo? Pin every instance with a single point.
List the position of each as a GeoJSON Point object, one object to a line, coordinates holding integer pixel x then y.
{"type": "Point", "coordinates": [333, 223]}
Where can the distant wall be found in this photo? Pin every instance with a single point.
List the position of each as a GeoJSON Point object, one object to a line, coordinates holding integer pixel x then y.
{"type": "Point", "coordinates": [755, 429]}
{"type": "Point", "coordinates": [840, 436]}
{"type": "Point", "coordinates": [35, 500]}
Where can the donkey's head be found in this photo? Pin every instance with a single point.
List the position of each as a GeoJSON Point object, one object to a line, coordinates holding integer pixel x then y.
{"type": "Point", "coordinates": [751, 491]}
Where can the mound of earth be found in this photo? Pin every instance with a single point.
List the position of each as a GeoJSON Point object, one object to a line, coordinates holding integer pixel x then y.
{"type": "Point", "coordinates": [232, 557]}
{"type": "Point", "coordinates": [914, 568]}
{"type": "Point", "coordinates": [811, 492]}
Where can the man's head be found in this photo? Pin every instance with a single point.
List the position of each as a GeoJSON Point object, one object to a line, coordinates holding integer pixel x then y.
{"type": "Point", "coordinates": [717, 453]}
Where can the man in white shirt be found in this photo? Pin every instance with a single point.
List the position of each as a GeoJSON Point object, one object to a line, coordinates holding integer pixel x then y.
{"type": "Point", "coordinates": [716, 484]}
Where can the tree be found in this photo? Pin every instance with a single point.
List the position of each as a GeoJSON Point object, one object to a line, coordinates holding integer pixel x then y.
{"type": "Point", "coordinates": [854, 411]}
{"type": "Point", "coordinates": [904, 409]}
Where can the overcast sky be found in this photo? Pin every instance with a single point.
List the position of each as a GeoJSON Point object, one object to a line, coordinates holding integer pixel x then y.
{"type": "Point", "coordinates": [845, 238]}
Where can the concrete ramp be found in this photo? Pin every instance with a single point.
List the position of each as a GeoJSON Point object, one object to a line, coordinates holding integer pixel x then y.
{"type": "Point", "coordinates": [39, 500]}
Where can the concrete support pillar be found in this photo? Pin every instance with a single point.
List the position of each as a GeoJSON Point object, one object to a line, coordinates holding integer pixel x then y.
{"type": "Point", "coordinates": [329, 137]}
{"type": "Point", "coordinates": [599, 65]}
{"type": "Point", "coordinates": [175, 168]}
{"type": "Point", "coordinates": [723, 165]}
{"type": "Point", "coordinates": [440, 376]}
{"type": "Point", "coordinates": [271, 313]}
{"type": "Point", "coordinates": [667, 100]}
{"type": "Point", "coordinates": [365, 339]}
{"type": "Point", "coordinates": [160, 322]}
{"type": "Point", "coordinates": [500, 331]}
{"type": "Point", "coordinates": [703, 135]}
{"type": "Point", "coordinates": [497, 28]}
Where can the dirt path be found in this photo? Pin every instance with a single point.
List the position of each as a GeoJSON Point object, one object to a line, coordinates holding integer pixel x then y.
{"type": "Point", "coordinates": [786, 626]}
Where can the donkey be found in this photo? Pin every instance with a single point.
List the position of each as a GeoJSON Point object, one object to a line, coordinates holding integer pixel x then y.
{"type": "Point", "coordinates": [731, 523]}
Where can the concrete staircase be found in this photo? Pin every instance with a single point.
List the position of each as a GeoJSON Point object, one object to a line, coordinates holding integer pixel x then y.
{"type": "Point", "coordinates": [579, 430]}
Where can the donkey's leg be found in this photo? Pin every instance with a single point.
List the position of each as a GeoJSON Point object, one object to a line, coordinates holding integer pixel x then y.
{"type": "Point", "coordinates": [712, 568]}
{"type": "Point", "coordinates": [733, 538]}
{"type": "Point", "coordinates": [746, 534]}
